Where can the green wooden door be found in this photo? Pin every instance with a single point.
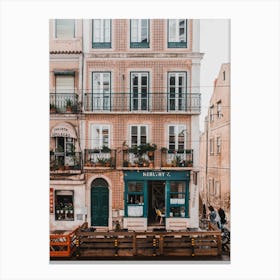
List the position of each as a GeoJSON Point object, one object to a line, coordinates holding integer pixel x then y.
{"type": "Point", "coordinates": [99, 206]}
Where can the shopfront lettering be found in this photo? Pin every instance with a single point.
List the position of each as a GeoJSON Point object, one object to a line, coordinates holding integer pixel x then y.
{"type": "Point", "coordinates": [156, 174]}
{"type": "Point", "coordinates": [61, 132]}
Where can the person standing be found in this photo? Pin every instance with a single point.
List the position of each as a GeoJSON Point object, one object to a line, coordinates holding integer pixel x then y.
{"type": "Point", "coordinates": [214, 217]}
{"type": "Point", "coordinates": [222, 215]}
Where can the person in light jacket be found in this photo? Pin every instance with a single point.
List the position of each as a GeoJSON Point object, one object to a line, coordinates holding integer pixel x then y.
{"type": "Point", "coordinates": [214, 217]}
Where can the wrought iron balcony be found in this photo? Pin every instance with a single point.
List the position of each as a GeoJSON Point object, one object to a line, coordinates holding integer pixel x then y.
{"type": "Point", "coordinates": [100, 158]}
{"type": "Point", "coordinates": [63, 161]}
{"type": "Point", "coordinates": [132, 158]}
{"type": "Point", "coordinates": [176, 158]}
{"type": "Point", "coordinates": [142, 102]}
{"type": "Point", "coordinates": [64, 103]}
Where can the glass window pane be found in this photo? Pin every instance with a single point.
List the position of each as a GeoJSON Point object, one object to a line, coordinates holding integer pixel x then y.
{"type": "Point", "coordinates": [172, 30]}
{"type": "Point", "coordinates": [107, 32]}
{"type": "Point", "coordinates": [177, 186]}
{"type": "Point", "coordinates": [65, 28]}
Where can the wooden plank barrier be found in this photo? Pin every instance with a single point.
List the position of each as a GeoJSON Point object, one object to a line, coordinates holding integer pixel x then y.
{"type": "Point", "coordinates": [148, 244]}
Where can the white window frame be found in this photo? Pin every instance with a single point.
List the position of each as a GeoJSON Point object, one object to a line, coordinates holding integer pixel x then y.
{"type": "Point", "coordinates": [138, 133]}
{"type": "Point", "coordinates": [103, 37]}
{"type": "Point", "coordinates": [176, 37]}
{"type": "Point", "coordinates": [137, 23]}
{"type": "Point", "coordinates": [217, 188]}
{"type": "Point", "coordinates": [211, 144]}
{"type": "Point", "coordinates": [63, 37]}
{"type": "Point", "coordinates": [211, 113]}
{"type": "Point", "coordinates": [178, 128]}
{"type": "Point", "coordinates": [100, 138]}
{"type": "Point", "coordinates": [140, 98]}
{"type": "Point", "coordinates": [100, 97]}
{"type": "Point", "coordinates": [219, 109]}
{"type": "Point", "coordinates": [218, 144]}
{"type": "Point", "coordinates": [178, 96]}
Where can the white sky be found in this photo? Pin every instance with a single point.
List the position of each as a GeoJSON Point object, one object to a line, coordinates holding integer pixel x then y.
{"type": "Point", "coordinates": [215, 44]}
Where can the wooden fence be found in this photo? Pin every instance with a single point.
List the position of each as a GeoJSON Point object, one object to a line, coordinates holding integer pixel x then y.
{"type": "Point", "coordinates": [148, 244]}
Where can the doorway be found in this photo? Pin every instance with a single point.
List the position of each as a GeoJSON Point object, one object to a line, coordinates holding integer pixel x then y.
{"type": "Point", "coordinates": [156, 200]}
{"type": "Point", "coordinates": [99, 203]}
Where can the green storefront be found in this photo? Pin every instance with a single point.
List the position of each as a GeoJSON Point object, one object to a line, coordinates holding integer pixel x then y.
{"type": "Point", "coordinates": [146, 191]}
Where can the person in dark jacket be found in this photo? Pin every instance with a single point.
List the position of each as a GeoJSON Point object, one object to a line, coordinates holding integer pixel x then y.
{"type": "Point", "coordinates": [222, 215]}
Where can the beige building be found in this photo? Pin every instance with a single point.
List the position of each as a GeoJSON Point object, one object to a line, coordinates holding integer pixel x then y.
{"type": "Point", "coordinates": [214, 177]}
{"type": "Point", "coordinates": [129, 144]}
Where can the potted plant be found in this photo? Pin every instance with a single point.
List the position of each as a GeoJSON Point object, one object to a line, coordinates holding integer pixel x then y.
{"type": "Point", "coordinates": [150, 149]}
{"type": "Point", "coordinates": [52, 108]}
{"type": "Point", "coordinates": [189, 163]}
{"type": "Point", "coordinates": [164, 150]}
{"type": "Point", "coordinates": [124, 146]}
{"type": "Point", "coordinates": [105, 149]}
{"type": "Point", "coordinates": [69, 105]}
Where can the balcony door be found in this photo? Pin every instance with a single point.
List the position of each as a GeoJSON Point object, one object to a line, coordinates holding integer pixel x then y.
{"type": "Point", "coordinates": [101, 90]}
{"type": "Point", "coordinates": [64, 91]}
{"type": "Point", "coordinates": [139, 88]}
{"type": "Point", "coordinates": [177, 91]}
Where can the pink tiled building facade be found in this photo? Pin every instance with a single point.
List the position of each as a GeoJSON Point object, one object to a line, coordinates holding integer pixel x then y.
{"type": "Point", "coordinates": [124, 123]}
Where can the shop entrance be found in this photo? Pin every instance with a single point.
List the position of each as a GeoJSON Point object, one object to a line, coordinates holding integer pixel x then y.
{"type": "Point", "coordinates": [156, 200]}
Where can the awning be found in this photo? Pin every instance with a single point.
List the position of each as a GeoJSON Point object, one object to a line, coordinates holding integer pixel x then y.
{"type": "Point", "coordinates": [65, 72]}
{"type": "Point", "coordinates": [64, 130]}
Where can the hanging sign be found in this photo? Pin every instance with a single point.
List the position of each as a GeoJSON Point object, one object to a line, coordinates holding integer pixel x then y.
{"type": "Point", "coordinates": [63, 130]}
{"type": "Point", "coordinates": [51, 200]}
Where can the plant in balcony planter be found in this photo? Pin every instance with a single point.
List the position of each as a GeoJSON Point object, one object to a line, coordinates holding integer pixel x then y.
{"type": "Point", "coordinates": [150, 149]}
{"type": "Point", "coordinates": [176, 161]}
{"type": "Point", "coordinates": [145, 162]}
{"type": "Point", "coordinates": [105, 149]}
{"type": "Point", "coordinates": [164, 150]}
{"type": "Point", "coordinates": [69, 105]}
{"type": "Point", "coordinates": [189, 163]}
{"type": "Point", "coordinates": [108, 162]}
{"type": "Point", "coordinates": [101, 161]}
{"type": "Point", "coordinates": [52, 108]}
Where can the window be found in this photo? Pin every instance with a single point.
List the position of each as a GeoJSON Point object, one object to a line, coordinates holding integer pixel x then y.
{"type": "Point", "coordinates": [211, 146]}
{"type": "Point", "coordinates": [101, 91]}
{"type": "Point", "coordinates": [64, 91]}
{"type": "Point", "coordinates": [177, 91]}
{"type": "Point", "coordinates": [100, 136]}
{"type": "Point", "coordinates": [139, 86]}
{"type": "Point", "coordinates": [64, 28]}
{"type": "Point", "coordinates": [176, 137]}
{"type": "Point", "coordinates": [177, 198]}
{"type": "Point", "coordinates": [224, 75]}
{"type": "Point", "coordinates": [177, 33]}
{"type": "Point", "coordinates": [217, 189]}
{"type": "Point", "coordinates": [219, 109]}
{"type": "Point", "coordinates": [101, 33]}
{"type": "Point", "coordinates": [211, 186]}
{"type": "Point", "coordinates": [138, 135]}
{"type": "Point", "coordinates": [135, 199]}
{"type": "Point", "coordinates": [65, 152]}
{"type": "Point", "coordinates": [218, 145]}
{"type": "Point", "coordinates": [139, 33]}
{"type": "Point", "coordinates": [64, 205]}
{"type": "Point", "coordinates": [212, 113]}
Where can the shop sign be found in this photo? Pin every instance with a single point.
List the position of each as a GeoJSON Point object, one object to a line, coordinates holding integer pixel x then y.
{"type": "Point", "coordinates": [157, 175]}
{"type": "Point", "coordinates": [51, 200]}
{"type": "Point", "coordinates": [63, 130]}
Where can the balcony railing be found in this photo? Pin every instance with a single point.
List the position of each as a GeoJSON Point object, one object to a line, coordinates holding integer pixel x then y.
{"type": "Point", "coordinates": [100, 158]}
{"type": "Point", "coordinates": [142, 102]}
{"type": "Point", "coordinates": [176, 158]}
{"type": "Point", "coordinates": [65, 161]}
{"type": "Point", "coordinates": [64, 103]}
{"type": "Point", "coordinates": [132, 159]}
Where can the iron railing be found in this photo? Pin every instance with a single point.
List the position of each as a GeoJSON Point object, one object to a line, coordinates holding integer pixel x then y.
{"type": "Point", "coordinates": [176, 158]}
{"type": "Point", "coordinates": [100, 158]}
{"type": "Point", "coordinates": [142, 102]}
{"type": "Point", "coordinates": [64, 103]}
{"type": "Point", "coordinates": [65, 160]}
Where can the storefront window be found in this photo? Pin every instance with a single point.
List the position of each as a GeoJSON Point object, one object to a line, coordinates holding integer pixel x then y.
{"type": "Point", "coordinates": [177, 199]}
{"type": "Point", "coordinates": [135, 199]}
{"type": "Point", "coordinates": [64, 205]}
